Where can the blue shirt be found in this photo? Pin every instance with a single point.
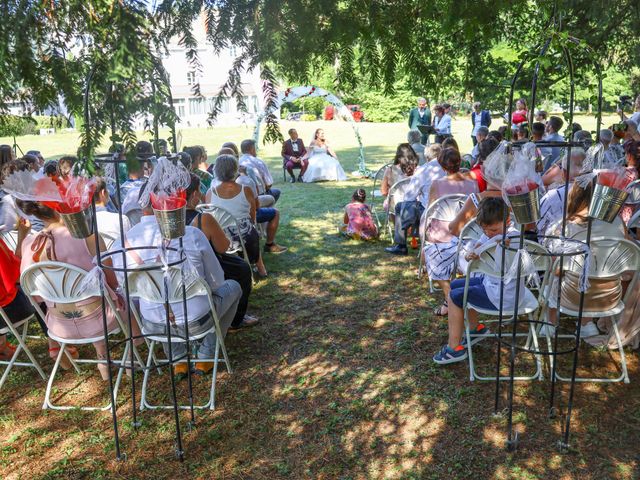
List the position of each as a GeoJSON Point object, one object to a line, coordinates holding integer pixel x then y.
{"type": "Point", "coordinates": [552, 153]}
{"type": "Point", "coordinates": [444, 125]}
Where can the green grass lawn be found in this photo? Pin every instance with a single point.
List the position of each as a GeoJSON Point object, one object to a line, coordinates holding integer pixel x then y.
{"type": "Point", "coordinates": [337, 382]}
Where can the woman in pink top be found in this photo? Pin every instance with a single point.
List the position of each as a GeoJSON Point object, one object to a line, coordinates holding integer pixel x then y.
{"type": "Point", "coordinates": [82, 319]}
{"type": "Point", "coordinates": [358, 220]}
{"type": "Point", "coordinates": [440, 254]}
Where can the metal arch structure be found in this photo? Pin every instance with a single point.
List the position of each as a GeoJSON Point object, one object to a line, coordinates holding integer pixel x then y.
{"type": "Point", "coordinates": [294, 93]}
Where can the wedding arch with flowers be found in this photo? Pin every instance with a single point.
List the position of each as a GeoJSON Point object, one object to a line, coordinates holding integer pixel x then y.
{"type": "Point", "coordinates": [341, 111]}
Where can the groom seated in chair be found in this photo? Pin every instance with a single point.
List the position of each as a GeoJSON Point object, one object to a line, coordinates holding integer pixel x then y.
{"type": "Point", "coordinates": [292, 152]}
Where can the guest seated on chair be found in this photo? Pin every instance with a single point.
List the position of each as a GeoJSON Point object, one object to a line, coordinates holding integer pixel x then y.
{"type": "Point", "coordinates": [414, 138]}
{"type": "Point", "coordinates": [292, 152]}
{"type": "Point", "coordinates": [108, 222]}
{"type": "Point", "coordinates": [225, 293]}
{"type": "Point", "coordinates": [440, 255]}
{"type": "Point", "coordinates": [13, 301]}
{"type": "Point", "coordinates": [552, 202]}
{"type": "Point", "coordinates": [416, 200]}
{"type": "Point", "coordinates": [249, 158]}
{"type": "Point", "coordinates": [199, 166]}
{"type": "Point", "coordinates": [484, 290]}
{"type": "Point", "coordinates": [602, 294]}
{"type": "Point", "coordinates": [405, 163]}
{"type": "Point", "coordinates": [242, 204]}
{"type": "Point", "coordinates": [84, 319]}
{"type": "Point", "coordinates": [234, 267]}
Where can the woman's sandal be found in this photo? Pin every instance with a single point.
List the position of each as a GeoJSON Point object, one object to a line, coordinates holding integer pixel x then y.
{"type": "Point", "coordinates": [442, 310]}
{"type": "Point", "coordinates": [65, 363]}
{"type": "Point", "coordinates": [7, 352]}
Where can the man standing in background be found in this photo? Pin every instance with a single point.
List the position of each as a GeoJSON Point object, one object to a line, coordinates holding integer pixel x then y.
{"type": "Point", "coordinates": [420, 115]}
{"type": "Point", "coordinates": [479, 118]}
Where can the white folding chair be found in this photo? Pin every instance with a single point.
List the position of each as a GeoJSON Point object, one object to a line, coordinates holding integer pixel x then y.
{"type": "Point", "coordinates": [225, 219]}
{"type": "Point", "coordinates": [21, 337]}
{"type": "Point", "coordinates": [488, 264]}
{"type": "Point", "coordinates": [61, 283]}
{"type": "Point", "coordinates": [376, 194]}
{"type": "Point", "coordinates": [634, 222]}
{"type": "Point", "coordinates": [10, 238]}
{"type": "Point", "coordinates": [470, 232]}
{"type": "Point", "coordinates": [609, 259]}
{"type": "Point", "coordinates": [395, 196]}
{"type": "Point", "coordinates": [148, 285]}
{"type": "Point", "coordinates": [444, 208]}
{"type": "Point", "coordinates": [633, 189]}
{"type": "Point", "coordinates": [108, 240]}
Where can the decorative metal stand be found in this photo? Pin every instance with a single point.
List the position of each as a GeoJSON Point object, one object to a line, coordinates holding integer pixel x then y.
{"type": "Point", "coordinates": [512, 435]}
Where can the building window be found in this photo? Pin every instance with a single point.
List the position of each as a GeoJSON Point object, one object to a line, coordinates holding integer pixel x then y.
{"type": "Point", "coordinates": [196, 106]}
{"type": "Point", "coordinates": [251, 103]}
{"type": "Point", "coordinates": [179, 107]}
{"type": "Point", "coordinates": [224, 105]}
{"type": "Point", "coordinates": [191, 78]}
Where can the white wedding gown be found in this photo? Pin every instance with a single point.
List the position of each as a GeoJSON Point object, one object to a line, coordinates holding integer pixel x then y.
{"type": "Point", "coordinates": [323, 167]}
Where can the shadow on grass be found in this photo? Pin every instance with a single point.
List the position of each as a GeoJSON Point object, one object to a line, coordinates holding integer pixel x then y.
{"type": "Point", "coordinates": [336, 383]}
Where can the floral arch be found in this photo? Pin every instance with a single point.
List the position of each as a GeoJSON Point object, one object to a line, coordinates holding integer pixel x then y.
{"type": "Point", "coordinates": [294, 93]}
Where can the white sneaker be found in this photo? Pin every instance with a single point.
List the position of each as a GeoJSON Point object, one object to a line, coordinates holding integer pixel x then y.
{"type": "Point", "coordinates": [589, 330]}
{"type": "Point", "coordinates": [547, 330]}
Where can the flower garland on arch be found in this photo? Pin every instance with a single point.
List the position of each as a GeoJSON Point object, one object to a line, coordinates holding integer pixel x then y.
{"type": "Point", "coordinates": [294, 93]}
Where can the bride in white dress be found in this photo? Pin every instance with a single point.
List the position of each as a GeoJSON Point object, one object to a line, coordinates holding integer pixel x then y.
{"type": "Point", "coordinates": [323, 162]}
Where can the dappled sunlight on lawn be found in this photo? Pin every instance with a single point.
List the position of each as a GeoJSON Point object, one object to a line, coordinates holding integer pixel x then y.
{"type": "Point", "coordinates": [337, 382]}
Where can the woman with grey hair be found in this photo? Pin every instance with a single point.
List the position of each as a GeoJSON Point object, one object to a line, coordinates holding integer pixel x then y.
{"type": "Point", "coordinates": [413, 138]}
{"type": "Point", "coordinates": [240, 202]}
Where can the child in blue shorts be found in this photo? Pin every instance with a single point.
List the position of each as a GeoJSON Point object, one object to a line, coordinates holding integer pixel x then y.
{"type": "Point", "coordinates": [484, 290]}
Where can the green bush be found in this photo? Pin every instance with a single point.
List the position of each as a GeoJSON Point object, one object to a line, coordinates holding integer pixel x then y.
{"type": "Point", "coordinates": [308, 117]}
{"type": "Point", "coordinates": [29, 125]}
{"type": "Point", "coordinates": [379, 107]}
{"type": "Point", "coordinates": [14, 125]}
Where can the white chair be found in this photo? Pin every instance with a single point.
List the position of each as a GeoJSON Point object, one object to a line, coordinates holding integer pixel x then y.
{"type": "Point", "coordinates": [225, 219]}
{"type": "Point", "coordinates": [108, 240]}
{"type": "Point", "coordinates": [396, 194]}
{"type": "Point", "coordinates": [633, 189]}
{"type": "Point", "coordinates": [488, 264]}
{"type": "Point", "coordinates": [10, 238]}
{"type": "Point", "coordinates": [634, 221]}
{"type": "Point", "coordinates": [21, 337]}
{"type": "Point", "coordinates": [376, 198]}
{"type": "Point", "coordinates": [148, 285]}
{"type": "Point", "coordinates": [444, 208]}
{"type": "Point", "coordinates": [609, 259]}
{"type": "Point", "coordinates": [470, 232]}
{"type": "Point", "coordinates": [61, 283]}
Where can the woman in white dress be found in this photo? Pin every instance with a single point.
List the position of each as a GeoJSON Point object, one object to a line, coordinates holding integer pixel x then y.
{"type": "Point", "coordinates": [323, 162]}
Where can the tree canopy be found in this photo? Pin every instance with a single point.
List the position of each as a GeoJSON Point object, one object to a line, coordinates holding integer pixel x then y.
{"type": "Point", "coordinates": [440, 48]}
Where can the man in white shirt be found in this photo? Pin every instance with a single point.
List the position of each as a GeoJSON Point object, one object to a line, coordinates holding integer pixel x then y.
{"type": "Point", "coordinates": [108, 222]}
{"type": "Point", "coordinates": [416, 201]}
{"type": "Point", "coordinates": [481, 133]}
{"type": "Point", "coordinates": [249, 158]}
{"type": "Point", "coordinates": [225, 293]}
{"type": "Point", "coordinates": [552, 135]}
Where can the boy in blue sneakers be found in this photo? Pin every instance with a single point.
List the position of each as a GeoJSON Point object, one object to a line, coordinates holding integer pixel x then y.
{"type": "Point", "coordinates": [484, 290]}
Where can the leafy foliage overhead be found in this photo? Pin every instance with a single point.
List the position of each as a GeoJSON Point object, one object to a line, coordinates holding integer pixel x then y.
{"type": "Point", "coordinates": [48, 48]}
